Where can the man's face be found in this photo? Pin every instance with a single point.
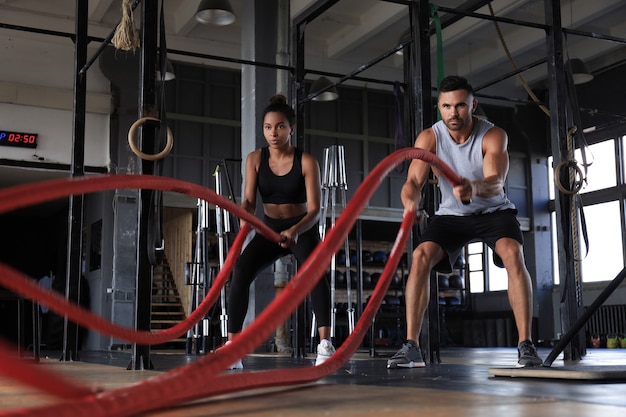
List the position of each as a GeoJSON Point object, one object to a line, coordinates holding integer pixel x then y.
{"type": "Point", "coordinates": [456, 108]}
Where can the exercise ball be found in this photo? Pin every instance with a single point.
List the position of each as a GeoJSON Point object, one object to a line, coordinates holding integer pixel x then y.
{"type": "Point", "coordinates": [379, 257]}
{"type": "Point", "coordinates": [367, 280]}
{"type": "Point", "coordinates": [374, 278]}
{"type": "Point", "coordinates": [456, 282]}
{"type": "Point", "coordinates": [396, 281]}
{"type": "Point", "coordinates": [341, 257]}
{"type": "Point", "coordinates": [443, 282]}
{"type": "Point", "coordinates": [340, 279]}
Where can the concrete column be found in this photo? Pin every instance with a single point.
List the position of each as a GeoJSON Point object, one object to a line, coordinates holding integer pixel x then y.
{"type": "Point", "coordinates": [259, 20]}
{"type": "Point", "coordinates": [122, 70]}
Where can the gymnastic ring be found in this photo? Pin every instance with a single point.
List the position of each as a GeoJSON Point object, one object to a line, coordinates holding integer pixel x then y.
{"type": "Point", "coordinates": [137, 151]}
{"type": "Point", "coordinates": [570, 164]}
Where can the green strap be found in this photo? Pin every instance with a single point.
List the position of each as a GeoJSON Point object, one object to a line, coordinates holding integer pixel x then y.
{"type": "Point", "coordinates": [440, 72]}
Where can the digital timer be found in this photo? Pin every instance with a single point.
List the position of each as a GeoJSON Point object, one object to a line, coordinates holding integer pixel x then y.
{"type": "Point", "coordinates": [18, 139]}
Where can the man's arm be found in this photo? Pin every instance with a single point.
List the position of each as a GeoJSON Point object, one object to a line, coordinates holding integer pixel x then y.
{"type": "Point", "coordinates": [411, 193]}
{"type": "Point", "coordinates": [495, 168]}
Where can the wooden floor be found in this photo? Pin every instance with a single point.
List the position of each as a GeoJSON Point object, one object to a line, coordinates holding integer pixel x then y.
{"type": "Point", "coordinates": [459, 386]}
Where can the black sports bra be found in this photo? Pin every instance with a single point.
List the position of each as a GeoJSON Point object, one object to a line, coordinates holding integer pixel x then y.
{"type": "Point", "coordinates": [286, 189]}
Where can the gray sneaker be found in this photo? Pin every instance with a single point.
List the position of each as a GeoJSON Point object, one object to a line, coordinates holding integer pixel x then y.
{"type": "Point", "coordinates": [527, 355]}
{"type": "Point", "coordinates": [409, 356]}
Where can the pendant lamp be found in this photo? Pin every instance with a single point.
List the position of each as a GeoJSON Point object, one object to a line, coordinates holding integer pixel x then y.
{"type": "Point", "coordinates": [329, 90]}
{"type": "Point", "coordinates": [215, 12]}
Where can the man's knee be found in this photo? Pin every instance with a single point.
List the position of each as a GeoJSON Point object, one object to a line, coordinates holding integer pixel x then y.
{"type": "Point", "coordinates": [510, 251]}
{"type": "Point", "coordinates": [426, 256]}
{"type": "Point", "coordinates": [421, 256]}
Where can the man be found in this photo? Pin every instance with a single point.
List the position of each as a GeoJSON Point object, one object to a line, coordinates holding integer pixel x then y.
{"type": "Point", "coordinates": [477, 209]}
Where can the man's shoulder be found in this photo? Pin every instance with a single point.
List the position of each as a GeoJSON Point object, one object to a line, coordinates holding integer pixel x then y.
{"type": "Point", "coordinates": [427, 140]}
{"type": "Point", "coordinates": [437, 128]}
{"type": "Point", "coordinates": [496, 133]}
{"type": "Point", "coordinates": [487, 125]}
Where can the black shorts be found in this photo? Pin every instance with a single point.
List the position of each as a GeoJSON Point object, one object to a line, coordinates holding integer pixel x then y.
{"type": "Point", "coordinates": [452, 233]}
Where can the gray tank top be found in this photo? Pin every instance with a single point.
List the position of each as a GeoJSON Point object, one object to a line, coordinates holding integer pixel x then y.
{"type": "Point", "coordinates": [465, 159]}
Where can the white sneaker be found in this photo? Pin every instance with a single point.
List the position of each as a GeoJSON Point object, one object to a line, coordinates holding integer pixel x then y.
{"type": "Point", "coordinates": [324, 351]}
{"type": "Point", "coordinates": [235, 365]}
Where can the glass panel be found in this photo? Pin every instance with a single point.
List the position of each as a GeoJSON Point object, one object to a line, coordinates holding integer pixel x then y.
{"type": "Point", "coordinates": [477, 282]}
{"type": "Point", "coordinates": [475, 264]}
{"type": "Point", "coordinates": [190, 139]}
{"type": "Point", "coordinates": [475, 247]}
{"type": "Point", "coordinates": [551, 178]}
{"type": "Point", "coordinates": [601, 172]}
{"type": "Point", "coordinates": [498, 278]}
{"type": "Point", "coordinates": [622, 162]}
{"type": "Point", "coordinates": [381, 117]}
{"type": "Point", "coordinates": [191, 97]}
{"type": "Point", "coordinates": [555, 250]}
{"type": "Point", "coordinates": [605, 258]}
{"type": "Point", "coordinates": [351, 111]}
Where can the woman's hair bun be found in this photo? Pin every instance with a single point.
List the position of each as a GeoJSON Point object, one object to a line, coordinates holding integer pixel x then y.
{"type": "Point", "coordinates": [278, 103]}
{"type": "Point", "coordinates": [278, 99]}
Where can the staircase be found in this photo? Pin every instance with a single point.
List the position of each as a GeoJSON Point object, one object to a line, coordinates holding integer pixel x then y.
{"type": "Point", "coordinates": [167, 308]}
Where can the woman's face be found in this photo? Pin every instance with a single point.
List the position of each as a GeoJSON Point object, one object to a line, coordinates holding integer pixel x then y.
{"type": "Point", "coordinates": [276, 129]}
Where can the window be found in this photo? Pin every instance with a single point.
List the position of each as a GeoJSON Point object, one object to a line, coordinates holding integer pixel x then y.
{"type": "Point", "coordinates": [484, 275]}
{"type": "Point", "coordinates": [601, 172]}
{"type": "Point", "coordinates": [601, 168]}
{"type": "Point", "coordinates": [475, 257]}
{"type": "Point", "coordinates": [604, 259]}
{"type": "Point", "coordinates": [603, 202]}
{"type": "Point", "coordinates": [363, 121]}
{"type": "Point", "coordinates": [204, 109]}
{"type": "Point", "coordinates": [498, 278]}
{"type": "Point", "coordinates": [555, 249]}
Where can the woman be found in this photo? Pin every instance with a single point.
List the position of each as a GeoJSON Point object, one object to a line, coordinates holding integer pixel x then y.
{"type": "Point", "coordinates": [288, 180]}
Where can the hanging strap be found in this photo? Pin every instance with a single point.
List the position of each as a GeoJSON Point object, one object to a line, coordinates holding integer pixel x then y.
{"type": "Point", "coordinates": [155, 217]}
{"type": "Point", "coordinates": [440, 72]}
{"type": "Point", "coordinates": [573, 166]}
{"type": "Point", "coordinates": [583, 146]}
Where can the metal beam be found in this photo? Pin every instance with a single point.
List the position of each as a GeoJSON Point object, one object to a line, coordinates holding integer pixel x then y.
{"type": "Point", "coordinates": [147, 108]}
{"type": "Point", "coordinates": [77, 169]}
{"type": "Point", "coordinates": [571, 302]}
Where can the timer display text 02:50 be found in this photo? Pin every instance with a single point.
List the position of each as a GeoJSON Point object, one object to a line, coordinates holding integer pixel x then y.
{"type": "Point", "coordinates": [18, 139]}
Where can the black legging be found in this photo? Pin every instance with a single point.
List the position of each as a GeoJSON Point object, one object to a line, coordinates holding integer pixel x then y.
{"type": "Point", "coordinates": [261, 253]}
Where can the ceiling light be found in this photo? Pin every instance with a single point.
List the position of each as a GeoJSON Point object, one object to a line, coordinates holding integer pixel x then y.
{"type": "Point", "coordinates": [580, 73]}
{"type": "Point", "coordinates": [169, 72]}
{"type": "Point", "coordinates": [329, 91]}
{"type": "Point", "coordinates": [215, 12]}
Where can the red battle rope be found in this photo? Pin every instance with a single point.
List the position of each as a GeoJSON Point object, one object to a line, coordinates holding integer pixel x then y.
{"type": "Point", "coordinates": [190, 382]}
